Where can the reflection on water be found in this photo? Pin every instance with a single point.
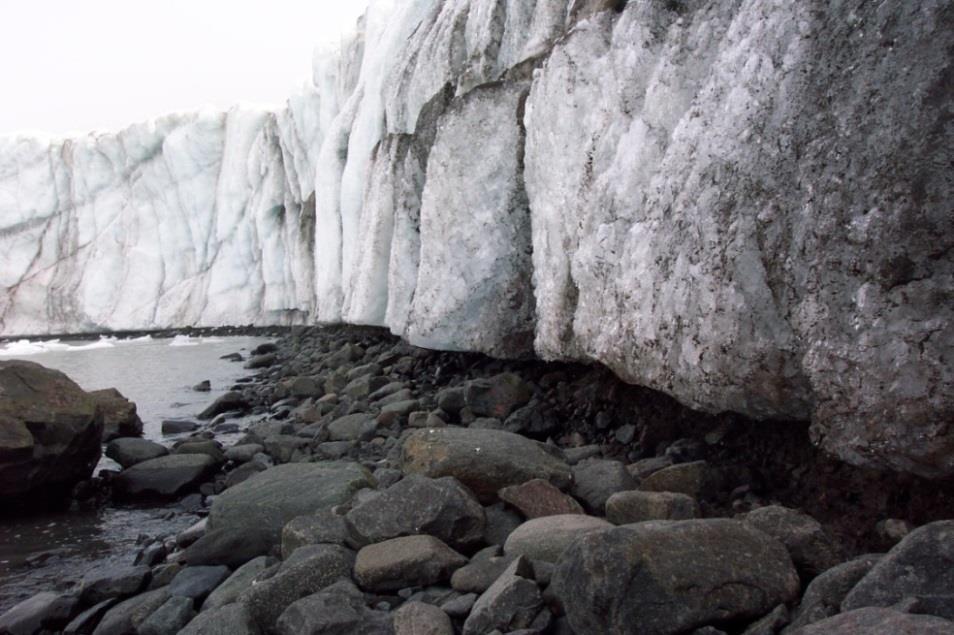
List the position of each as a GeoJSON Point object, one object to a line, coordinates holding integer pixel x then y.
{"type": "Point", "coordinates": [54, 550]}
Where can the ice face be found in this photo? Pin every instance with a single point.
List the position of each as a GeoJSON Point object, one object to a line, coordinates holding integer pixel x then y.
{"type": "Point", "coordinates": [744, 204]}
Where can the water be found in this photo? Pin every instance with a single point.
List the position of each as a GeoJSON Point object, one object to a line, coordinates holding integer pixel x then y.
{"type": "Point", "coordinates": [52, 551]}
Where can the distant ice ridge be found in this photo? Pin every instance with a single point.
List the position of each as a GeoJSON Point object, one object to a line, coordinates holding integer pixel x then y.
{"type": "Point", "coordinates": [742, 203]}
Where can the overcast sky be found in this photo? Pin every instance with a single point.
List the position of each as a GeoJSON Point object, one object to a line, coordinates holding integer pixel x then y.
{"type": "Point", "coordinates": [71, 66]}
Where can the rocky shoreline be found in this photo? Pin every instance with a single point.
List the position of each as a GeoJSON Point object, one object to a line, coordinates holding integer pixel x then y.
{"type": "Point", "coordinates": [391, 489]}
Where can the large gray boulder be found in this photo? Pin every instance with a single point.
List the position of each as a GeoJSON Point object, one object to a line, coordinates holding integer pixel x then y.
{"type": "Point", "coordinates": [128, 615]}
{"type": "Point", "coordinates": [340, 609]}
{"type": "Point", "coordinates": [483, 460]}
{"type": "Point", "coordinates": [266, 502]}
{"type": "Point", "coordinates": [50, 432]}
{"type": "Point", "coordinates": [419, 505]}
{"type": "Point", "coordinates": [811, 548]}
{"type": "Point", "coordinates": [666, 577]}
{"type": "Point", "coordinates": [128, 451]}
{"type": "Point", "coordinates": [546, 538]}
{"type": "Point", "coordinates": [921, 567]}
{"type": "Point", "coordinates": [233, 619]}
{"type": "Point", "coordinates": [405, 562]}
{"type": "Point", "coordinates": [878, 621]}
{"type": "Point", "coordinates": [42, 612]}
{"type": "Point", "coordinates": [119, 414]}
{"type": "Point", "coordinates": [823, 596]}
{"type": "Point", "coordinates": [165, 476]}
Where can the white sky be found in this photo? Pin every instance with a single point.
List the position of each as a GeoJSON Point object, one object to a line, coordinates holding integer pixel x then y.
{"type": "Point", "coordinates": [72, 66]}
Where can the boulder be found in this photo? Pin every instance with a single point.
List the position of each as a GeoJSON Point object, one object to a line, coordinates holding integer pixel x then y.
{"type": "Point", "coordinates": [404, 562]}
{"type": "Point", "coordinates": [261, 361]}
{"type": "Point", "coordinates": [178, 426]}
{"type": "Point", "coordinates": [483, 569]}
{"type": "Point", "coordinates": [236, 584]}
{"type": "Point", "coordinates": [419, 505]}
{"type": "Point", "coordinates": [128, 615]}
{"type": "Point", "coordinates": [510, 604]}
{"type": "Point", "coordinates": [86, 622]}
{"type": "Point", "coordinates": [229, 402]}
{"type": "Point", "coordinates": [483, 460]}
{"type": "Point", "coordinates": [878, 621]}
{"type": "Point", "coordinates": [595, 480]}
{"type": "Point", "coordinates": [197, 582]}
{"type": "Point", "coordinates": [43, 611]}
{"type": "Point", "coordinates": [548, 537]}
{"type": "Point", "coordinates": [165, 476]}
{"type": "Point", "coordinates": [312, 569]}
{"type": "Point", "coordinates": [538, 498]}
{"type": "Point", "coordinates": [921, 566]}
{"type": "Point", "coordinates": [812, 550]}
{"type": "Point", "coordinates": [823, 597]}
{"type": "Point", "coordinates": [243, 453]}
{"type": "Point", "coordinates": [234, 619]}
{"type": "Point", "coordinates": [230, 547]}
{"type": "Point", "coordinates": [263, 504]}
{"type": "Point", "coordinates": [624, 508]}
{"type": "Point", "coordinates": [354, 427]}
{"type": "Point", "coordinates": [324, 527]}
{"type": "Point", "coordinates": [169, 618]}
{"type": "Point", "coordinates": [113, 581]}
{"type": "Point", "coordinates": [129, 451]}
{"type": "Point", "coordinates": [50, 432]}
{"type": "Point", "coordinates": [497, 396]}
{"type": "Point", "coordinates": [119, 414]}
{"type": "Point", "coordinates": [665, 577]}
{"type": "Point", "coordinates": [418, 618]}
{"type": "Point", "coordinates": [207, 447]}
{"type": "Point", "coordinates": [340, 609]}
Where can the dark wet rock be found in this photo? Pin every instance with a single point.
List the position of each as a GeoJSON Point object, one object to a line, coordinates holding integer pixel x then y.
{"type": "Point", "coordinates": [119, 414]}
{"type": "Point", "coordinates": [497, 396]}
{"type": "Point", "coordinates": [265, 348]}
{"type": "Point", "coordinates": [418, 618]}
{"type": "Point", "coordinates": [163, 574]}
{"type": "Point", "coordinates": [482, 570]}
{"type": "Point", "coordinates": [113, 581]}
{"type": "Point", "coordinates": [500, 523]}
{"type": "Point", "coordinates": [314, 568]}
{"type": "Point", "coordinates": [207, 447]}
{"type": "Point", "coordinates": [233, 357]}
{"type": "Point", "coordinates": [86, 622]}
{"type": "Point", "coordinates": [231, 547]}
{"type": "Point", "coordinates": [697, 479]}
{"type": "Point", "coordinates": [538, 498]}
{"type": "Point", "coordinates": [197, 582]}
{"type": "Point", "coordinates": [624, 508]}
{"type": "Point", "coordinates": [44, 611]}
{"type": "Point", "coordinates": [920, 566]}
{"type": "Point", "coordinates": [645, 467]}
{"type": "Point", "coordinates": [451, 400]}
{"type": "Point", "coordinates": [363, 387]}
{"type": "Point", "coordinates": [878, 621]}
{"type": "Point", "coordinates": [511, 603]}
{"type": "Point", "coordinates": [823, 597]}
{"type": "Point", "coordinates": [128, 615]}
{"type": "Point", "coordinates": [419, 505]}
{"type": "Point", "coordinates": [178, 426]}
{"type": "Point", "coordinates": [337, 610]}
{"type": "Point", "coordinates": [305, 387]}
{"type": "Point", "coordinates": [403, 562]}
{"type": "Point", "coordinates": [354, 427]}
{"type": "Point", "coordinates": [165, 476]}
{"type": "Point", "coordinates": [595, 480]}
{"type": "Point", "coordinates": [203, 386]}
{"type": "Point", "coordinates": [323, 527]}
{"type": "Point", "coordinates": [396, 397]}
{"type": "Point", "coordinates": [548, 537]}
{"type": "Point", "coordinates": [169, 618]}
{"type": "Point", "coordinates": [234, 619]}
{"type": "Point", "coordinates": [229, 402]}
{"type": "Point", "coordinates": [770, 624]}
{"type": "Point", "coordinates": [129, 451]}
{"type": "Point", "coordinates": [261, 361]}
{"type": "Point", "coordinates": [483, 460]}
{"type": "Point", "coordinates": [672, 576]}
{"type": "Point", "coordinates": [50, 432]}
{"type": "Point", "coordinates": [243, 473]}
{"type": "Point", "coordinates": [192, 533]}
{"type": "Point", "coordinates": [459, 607]}
{"type": "Point", "coordinates": [265, 503]}
{"type": "Point", "coordinates": [243, 453]}
{"type": "Point", "coordinates": [236, 584]}
{"type": "Point", "coordinates": [812, 550]}
{"type": "Point", "coordinates": [151, 555]}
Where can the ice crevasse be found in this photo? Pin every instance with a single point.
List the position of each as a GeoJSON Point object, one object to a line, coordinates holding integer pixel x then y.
{"type": "Point", "coordinates": [746, 204]}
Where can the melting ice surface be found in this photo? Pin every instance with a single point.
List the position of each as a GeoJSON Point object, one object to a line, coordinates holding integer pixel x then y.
{"type": "Point", "coordinates": [51, 551]}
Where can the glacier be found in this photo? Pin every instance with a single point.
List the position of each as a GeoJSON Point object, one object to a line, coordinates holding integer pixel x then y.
{"type": "Point", "coordinates": [746, 204]}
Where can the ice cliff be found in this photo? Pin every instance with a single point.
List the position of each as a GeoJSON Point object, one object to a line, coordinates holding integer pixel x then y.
{"type": "Point", "coordinates": [747, 204]}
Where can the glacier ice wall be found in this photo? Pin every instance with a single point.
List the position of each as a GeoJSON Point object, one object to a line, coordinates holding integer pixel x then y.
{"type": "Point", "coordinates": [746, 204]}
